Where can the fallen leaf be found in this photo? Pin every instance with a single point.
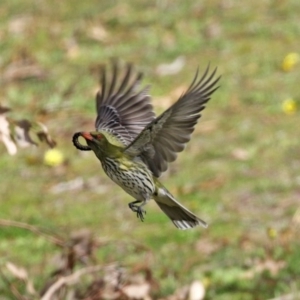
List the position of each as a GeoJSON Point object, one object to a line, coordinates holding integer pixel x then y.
{"type": "Point", "coordinates": [4, 109]}
{"type": "Point", "coordinates": [207, 246]}
{"type": "Point", "coordinates": [19, 24]}
{"type": "Point", "coordinates": [16, 271]}
{"type": "Point", "coordinates": [240, 154]}
{"type": "Point", "coordinates": [5, 136]}
{"type": "Point", "coordinates": [75, 184]}
{"type": "Point", "coordinates": [97, 33]}
{"type": "Point", "coordinates": [271, 265]}
{"type": "Point", "coordinates": [171, 68]}
{"type": "Point", "coordinates": [180, 294]}
{"type": "Point", "coordinates": [72, 48]}
{"type": "Point", "coordinates": [196, 290]}
{"type": "Point", "coordinates": [21, 70]}
{"type": "Point", "coordinates": [21, 133]}
{"type": "Point", "coordinates": [43, 134]}
{"type": "Point", "coordinates": [213, 30]}
{"type": "Point", "coordinates": [137, 291]}
{"type": "Point", "coordinates": [24, 132]}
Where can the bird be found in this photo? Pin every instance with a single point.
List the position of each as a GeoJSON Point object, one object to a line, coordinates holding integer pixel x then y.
{"type": "Point", "coordinates": [135, 146]}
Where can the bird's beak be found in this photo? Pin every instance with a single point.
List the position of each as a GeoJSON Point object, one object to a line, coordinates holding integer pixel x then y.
{"type": "Point", "coordinates": [87, 136]}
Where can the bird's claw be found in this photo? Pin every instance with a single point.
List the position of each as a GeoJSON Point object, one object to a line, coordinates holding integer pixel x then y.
{"type": "Point", "coordinates": [140, 212]}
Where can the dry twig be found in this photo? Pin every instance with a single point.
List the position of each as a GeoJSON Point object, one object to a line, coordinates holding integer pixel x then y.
{"type": "Point", "coordinates": [34, 229]}
{"type": "Point", "coordinates": [72, 279]}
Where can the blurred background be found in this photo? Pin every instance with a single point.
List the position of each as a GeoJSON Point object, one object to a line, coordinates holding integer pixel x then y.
{"type": "Point", "coordinates": [240, 172]}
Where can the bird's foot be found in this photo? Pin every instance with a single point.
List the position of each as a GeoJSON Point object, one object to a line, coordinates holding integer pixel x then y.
{"type": "Point", "coordinates": [138, 209]}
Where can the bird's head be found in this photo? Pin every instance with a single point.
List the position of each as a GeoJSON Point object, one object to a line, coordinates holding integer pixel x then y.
{"type": "Point", "coordinates": [94, 140]}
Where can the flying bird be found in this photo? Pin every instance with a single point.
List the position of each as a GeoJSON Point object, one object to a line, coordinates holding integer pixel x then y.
{"type": "Point", "coordinates": [134, 146]}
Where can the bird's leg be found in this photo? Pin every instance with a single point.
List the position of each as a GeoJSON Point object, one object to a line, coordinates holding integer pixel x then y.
{"type": "Point", "coordinates": [140, 212]}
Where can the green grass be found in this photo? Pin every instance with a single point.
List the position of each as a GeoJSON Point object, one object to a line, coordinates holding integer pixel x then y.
{"type": "Point", "coordinates": [240, 198]}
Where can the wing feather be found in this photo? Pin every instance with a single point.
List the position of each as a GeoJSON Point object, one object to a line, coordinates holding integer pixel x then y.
{"type": "Point", "coordinates": [123, 107]}
{"type": "Point", "coordinates": [170, 131]}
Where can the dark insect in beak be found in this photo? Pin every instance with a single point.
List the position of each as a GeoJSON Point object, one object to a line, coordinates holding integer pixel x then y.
{"type": "Point", "coordinates": [77, 144]}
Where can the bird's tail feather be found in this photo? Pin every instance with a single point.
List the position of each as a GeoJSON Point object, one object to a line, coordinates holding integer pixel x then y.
{"type": "Point", "coordinates": [180, 216]}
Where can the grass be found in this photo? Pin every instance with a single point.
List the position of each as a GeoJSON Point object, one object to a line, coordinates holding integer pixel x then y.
{"type": "Point", "coordinates": [245, 147]}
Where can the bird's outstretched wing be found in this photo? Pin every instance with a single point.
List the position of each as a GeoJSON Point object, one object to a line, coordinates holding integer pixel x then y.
{"type": "Point", "coordinates": [161, 140]}
{"type": "Point", "coordinates": [123, 107]}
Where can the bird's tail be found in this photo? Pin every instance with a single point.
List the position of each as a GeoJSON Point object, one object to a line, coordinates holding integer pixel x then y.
{"type": "Point", "coordinates": [180, 216]}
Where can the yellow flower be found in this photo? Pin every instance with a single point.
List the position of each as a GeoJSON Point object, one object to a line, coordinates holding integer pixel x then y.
{"type": "Point", "coordinates": [289, 106]}
{"type": "Point", "coordinates": [53, 158]}
{"type": "Point", "coordinates": [290, 61]}
{"type": "Point", "coordinates": [272, 233]}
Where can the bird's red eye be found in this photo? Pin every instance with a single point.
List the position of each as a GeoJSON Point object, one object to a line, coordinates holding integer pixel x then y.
{"type": "Point", "coordinates": [99, 136]}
